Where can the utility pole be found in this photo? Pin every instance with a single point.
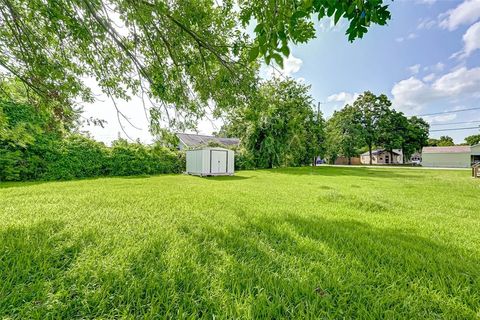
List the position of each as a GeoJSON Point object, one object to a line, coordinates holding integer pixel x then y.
{"type": "Point", "coordinates": [318, 124]}
{"type": "Point", "coordinates": [318, 111]}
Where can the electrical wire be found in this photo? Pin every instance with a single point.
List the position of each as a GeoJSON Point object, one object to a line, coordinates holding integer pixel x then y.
{"type": "Point", "coordinates": [446, 112]}
{"type": "Point", "coordinates": [452, 123]}
{"type": "Point", "coordinates": [453, 129]}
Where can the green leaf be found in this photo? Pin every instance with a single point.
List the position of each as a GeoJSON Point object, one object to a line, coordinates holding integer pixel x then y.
{"type": "Point", "coordinates": [286, 51]}
{"type": "Point", "coordinates": [278, 59]}
{"type": "Point", "coordinates": [338, 15]}
{"type": "Point", "coordinates": [253, 54]}
{"type": "Point", "coordinates": [298, 14]}
{"type": "Point", "coordinates": [258, 28]}
{"type": "Point", "coordinates": [267, 59]}
{"type": "Point", "coordinates": [330, 11]}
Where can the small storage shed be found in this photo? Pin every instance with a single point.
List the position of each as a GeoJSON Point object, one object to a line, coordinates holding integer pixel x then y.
{"type": "Point", "coordinates": [210, 162]}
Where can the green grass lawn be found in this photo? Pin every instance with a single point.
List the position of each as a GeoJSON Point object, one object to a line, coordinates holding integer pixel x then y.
{"type": "Point", "coordinates": [291, 243]}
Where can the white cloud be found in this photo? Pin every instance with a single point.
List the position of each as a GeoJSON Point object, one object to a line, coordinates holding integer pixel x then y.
{"type": "Point", "coordinates": [438, 67]}
{"type": "Point", "coordinates": [428, 2]}
{"type": "Point", "coordinates": [471, 41]}
{"type": "Point", "coordinates": [460, 81]}
{"type": "Point", "coordinates": [414, 69]}
{"type": "Point", "coordinates": [440, 118]}
{"type": "Point", "coordinates": [412, 94]}
{"type": "Point", "coordinates": [410, 36]}
{"type": "Point", "coordinates": [465, 13]}
{"type": "Point", "coordinates": [337, 101]}
{"type": "Point", "coordinates": [345, 97]}
{"type": "Point", "coordinates": [291, 65]}
{"type": "Point", "coordinates": [429, 77]}
{"type": "Point", "coordinates": [426, 23]}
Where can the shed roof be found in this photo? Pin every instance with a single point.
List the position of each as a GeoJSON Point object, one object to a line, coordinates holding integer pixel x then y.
{"type": "Point", "coordinates": [378, 151]}
{"type": "Point", "coordinates": [197, 140]}
{"type": "Point", "coordinates": [452, 149]}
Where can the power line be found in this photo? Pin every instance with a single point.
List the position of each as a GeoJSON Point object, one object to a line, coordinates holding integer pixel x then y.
{"type": "Point", "coordinates": [445, 112]}
{"type": "Point", "coordinates": [452, 129]}
{"type": "Point", "coordinates": [447, 124]}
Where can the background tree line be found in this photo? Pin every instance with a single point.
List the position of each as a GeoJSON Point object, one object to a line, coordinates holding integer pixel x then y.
{"type": "Point", "coordinates": [282, 128]}
{"type": "Point", "coordinates": [446, 141]}
{"type": "Point", "coordinates": [371, 122]}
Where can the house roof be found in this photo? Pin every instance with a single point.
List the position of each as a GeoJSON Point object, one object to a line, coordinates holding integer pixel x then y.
{"type": "Point", "coordinates": [378, 151]}
{"type": "Point", "coordinates": [196, 140]}
{"type": "Point", "coordinates": [452, 149]}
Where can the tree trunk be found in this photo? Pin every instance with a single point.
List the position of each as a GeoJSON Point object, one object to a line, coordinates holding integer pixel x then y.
{"type": "Point", "coordinates": [391, 157]}
{"type": "Point", "coordinates": [370, 153]}
{"type": "Point", "coordinates": [349, 161]}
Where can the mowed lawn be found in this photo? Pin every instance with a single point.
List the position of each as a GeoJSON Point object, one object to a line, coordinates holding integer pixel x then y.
{"type": "Point", "coordinates": [327, 242]}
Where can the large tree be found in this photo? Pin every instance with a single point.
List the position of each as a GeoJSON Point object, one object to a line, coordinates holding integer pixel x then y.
{"type": "Point", "coordinates": [344, 133]}
{"type": "Point", "coordinates": [279, 127]}
{"type": "Point", "coordinates": [371, 108]}
{"type": "Point", "coordinates": [179, 56]}
{"type": "Point", "coordinates": [416, 137]}
{"type": "Point", "coordinates": [392, 130]}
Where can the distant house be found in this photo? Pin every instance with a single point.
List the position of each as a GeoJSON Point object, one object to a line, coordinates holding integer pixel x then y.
{"type": "Point", "coordinates": [451, 157]}
{"type": "Point", "coordinates": [195, 141]}
{"type": "Point", "coordinates": [382, 156]}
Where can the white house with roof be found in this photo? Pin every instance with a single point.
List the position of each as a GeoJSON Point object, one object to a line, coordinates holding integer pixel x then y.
{"type": "Point", "coordinates": [382, 156]}
{"type": "Point", "coordinates": [451, 157]}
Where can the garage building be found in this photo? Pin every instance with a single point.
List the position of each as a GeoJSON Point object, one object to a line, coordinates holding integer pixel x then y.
{"type": "Point", "coordinates": [451, 157]}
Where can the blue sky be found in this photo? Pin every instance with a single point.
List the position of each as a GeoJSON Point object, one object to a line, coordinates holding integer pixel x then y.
{"type": "Point", "coordinates": [420, 60]}
{"type": "Point", "coordinates": [427, 59]}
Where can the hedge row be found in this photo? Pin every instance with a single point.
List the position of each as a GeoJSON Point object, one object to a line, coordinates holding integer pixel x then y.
{"type": "Point", "coordinates": [77, 156]}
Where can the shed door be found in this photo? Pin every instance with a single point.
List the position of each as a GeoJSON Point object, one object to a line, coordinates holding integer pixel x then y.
{"type": "Point", "coordinates": [218, 161]}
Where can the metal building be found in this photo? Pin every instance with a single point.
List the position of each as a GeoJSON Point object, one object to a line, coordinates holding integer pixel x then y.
{"type": "Point", "coordinates": [210, 162]}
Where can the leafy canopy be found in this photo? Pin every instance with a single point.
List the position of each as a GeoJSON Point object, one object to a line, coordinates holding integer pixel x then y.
{"type": "Point", "coordinates": [473, 139]}
{"type": "Point", "coordinates": [279, 127]}
{"type": "Point", "coordinates": [181, 57]}
{"type": "Point", "coordinates": [344, 133]}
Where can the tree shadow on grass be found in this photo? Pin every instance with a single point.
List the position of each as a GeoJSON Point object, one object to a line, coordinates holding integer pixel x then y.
{"type": "Point", "coordinates": [33, 264]}
{"type": "Point", "coordinates": [344, 171]}
{"type": "Point", "coordinates": [293, 267]}
{"type": "Point", "coordinates": [227, 178]}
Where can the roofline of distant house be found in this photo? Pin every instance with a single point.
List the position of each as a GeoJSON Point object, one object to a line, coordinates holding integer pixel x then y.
{"type": "Point", "coordinates": [204, 135]}
{"type": "Point", "coordinates": [448, 149]}
{"type": "Point", "coordinates": [376, 151]}
{"type": "Point", "coordinates": [201, 135]}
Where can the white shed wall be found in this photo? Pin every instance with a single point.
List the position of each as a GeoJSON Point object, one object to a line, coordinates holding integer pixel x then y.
{"type": "Point", "coordinates": [199, 161]}
{"type": "Point", "coordinates": [447, 160]}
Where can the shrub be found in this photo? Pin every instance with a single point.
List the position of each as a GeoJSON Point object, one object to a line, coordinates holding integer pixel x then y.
{"type": "Point", "coordinates": [77, 157]}
{"type": "Point", "coordinates": [32, 147]}
{"type": "Point", "coordinates": [137, 159]}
